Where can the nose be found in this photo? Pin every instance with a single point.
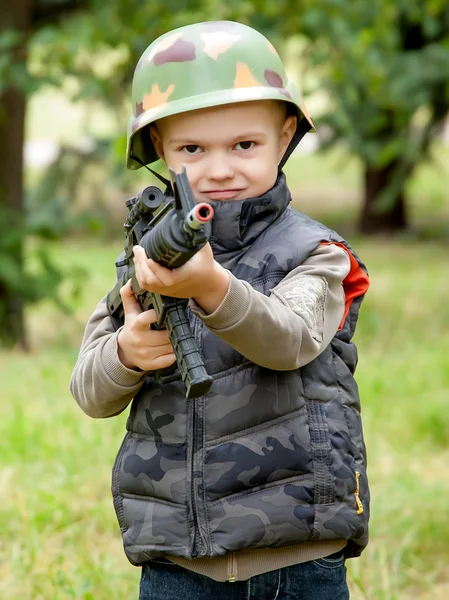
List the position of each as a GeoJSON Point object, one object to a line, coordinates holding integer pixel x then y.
{"type": "Point", "coordinates": [220, 167]}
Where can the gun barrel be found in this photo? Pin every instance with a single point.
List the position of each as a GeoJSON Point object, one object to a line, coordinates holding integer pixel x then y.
{"type": "Point", "coordinates": [201, 213]}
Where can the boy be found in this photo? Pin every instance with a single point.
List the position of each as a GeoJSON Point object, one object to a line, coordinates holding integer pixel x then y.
{"type": "Point", "coordinates": [257, 490]}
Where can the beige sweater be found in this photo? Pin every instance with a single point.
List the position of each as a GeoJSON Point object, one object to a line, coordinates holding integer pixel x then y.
{"type": "Point", "coordinates": [283, 331]}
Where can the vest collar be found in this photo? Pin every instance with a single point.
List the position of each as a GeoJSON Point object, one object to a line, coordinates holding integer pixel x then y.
{"type": "Point", "coordinates": [236, 224]}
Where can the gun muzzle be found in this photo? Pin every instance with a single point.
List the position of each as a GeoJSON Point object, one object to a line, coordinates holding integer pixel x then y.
{"type": "Point", "coordinates": [201, 213]}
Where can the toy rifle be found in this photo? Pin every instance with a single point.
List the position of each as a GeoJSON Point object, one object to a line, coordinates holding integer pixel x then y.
{"type": "Point", "coordinates": [171, 229]}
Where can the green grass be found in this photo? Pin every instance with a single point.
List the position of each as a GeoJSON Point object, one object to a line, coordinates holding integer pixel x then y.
{"type": "Point", "coordinates": [59, 537]}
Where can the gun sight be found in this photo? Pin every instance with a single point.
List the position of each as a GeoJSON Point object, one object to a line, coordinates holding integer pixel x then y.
{"type": "Point", "coordinates": [143, 205]}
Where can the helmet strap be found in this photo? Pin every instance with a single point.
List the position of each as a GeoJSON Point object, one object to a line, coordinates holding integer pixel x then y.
{"type": "Point", "coordinates": [303, 127]}
{"type": "Point", "coordinates": [161, 178]}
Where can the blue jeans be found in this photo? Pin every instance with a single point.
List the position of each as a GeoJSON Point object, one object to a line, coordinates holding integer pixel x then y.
{"type": "Point", "coordinates": [321, 579]}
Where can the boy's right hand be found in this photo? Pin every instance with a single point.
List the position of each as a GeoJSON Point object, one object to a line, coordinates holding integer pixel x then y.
{"type": "Point", "coordinates": [139, 346]}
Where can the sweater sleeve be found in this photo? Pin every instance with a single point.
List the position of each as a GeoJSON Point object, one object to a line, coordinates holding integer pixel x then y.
{"type": "Point", "coordinates": [101, 385]}
{"type": "Point", "coordinates": [295, 323]}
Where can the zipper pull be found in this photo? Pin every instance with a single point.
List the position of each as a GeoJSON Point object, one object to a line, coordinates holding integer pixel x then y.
{"type": "Point", "coordinates": [357, 494]}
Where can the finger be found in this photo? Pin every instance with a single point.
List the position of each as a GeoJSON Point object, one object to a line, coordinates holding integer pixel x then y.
{"type": "Point", "coordinates": [139, 253]}
{"type": "Point", "coordinates": [154, 273]}
{"type": "Point", "coordinates": [146, 354]}
{"type": "Point", "coordinates": [161, 362]}
{"type": "Point", "coordinates": [149, 336]}
{"type": "Point", "coordinates": [146, 318]}
{"type": "Point", "coordinates": [163, 275]}
{"type": "Point", "coordinates": [140, 257]}
{"type": "Point", "coordinates": [130, 303]}
{"type": "Point", "coordinates": [154, 338]}
{"type": "Point", "coordinates": [159, 350]}
{"type": "Point", "coordinates": [144, 274]}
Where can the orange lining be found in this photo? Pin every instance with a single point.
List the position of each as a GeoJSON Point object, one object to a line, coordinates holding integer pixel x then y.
{"type": "Point", "coordinates": [356, 282]}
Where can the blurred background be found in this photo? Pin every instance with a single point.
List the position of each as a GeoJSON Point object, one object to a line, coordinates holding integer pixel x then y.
{"type": "Point", "coordinates": [375, 76]}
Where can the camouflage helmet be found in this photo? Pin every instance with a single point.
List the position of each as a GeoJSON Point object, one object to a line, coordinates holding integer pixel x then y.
{"type": "Point", "coordinates": [203, 65]}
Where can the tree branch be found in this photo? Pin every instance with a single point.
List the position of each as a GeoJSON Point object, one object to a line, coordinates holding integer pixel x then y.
{"type": "Point", "coordinates": [48, 12]}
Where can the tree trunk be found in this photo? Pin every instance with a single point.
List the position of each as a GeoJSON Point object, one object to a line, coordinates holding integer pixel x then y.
{"type": "Point", "coordinates": [390, 219]}
{"type": "Point", "coordinates": [15, 15]}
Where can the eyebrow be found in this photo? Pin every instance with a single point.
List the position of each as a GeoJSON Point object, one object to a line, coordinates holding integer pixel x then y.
{"type": "Point", "coordinates": [241, 137]}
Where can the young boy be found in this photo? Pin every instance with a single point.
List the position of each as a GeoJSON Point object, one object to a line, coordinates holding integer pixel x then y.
{"type": "Point", "coordinates": [258, 489]}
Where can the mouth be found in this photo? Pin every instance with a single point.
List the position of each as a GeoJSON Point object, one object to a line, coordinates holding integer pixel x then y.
{"type": "Point", "coordinates": [222, 194]}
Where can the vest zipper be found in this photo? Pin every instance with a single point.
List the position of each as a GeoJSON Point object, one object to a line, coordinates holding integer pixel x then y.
{"type": "Point", "coordinates": [357, 494]}
{"type": "Point", "coordinates": [192, 480]}
{"type": "Point", "coordinates": [197, 547]}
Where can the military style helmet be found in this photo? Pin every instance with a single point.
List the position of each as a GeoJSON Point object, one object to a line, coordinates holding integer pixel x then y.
{"type": "Point", "coordinates": [203, 65]}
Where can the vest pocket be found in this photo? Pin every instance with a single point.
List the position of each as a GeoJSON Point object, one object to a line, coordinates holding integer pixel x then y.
{"type": "Point", "coordinates": [259, 457]}
{"type": "Point", "coordinates": [356, 450]}
{"type": "Point", "coordinates": [321, 453]}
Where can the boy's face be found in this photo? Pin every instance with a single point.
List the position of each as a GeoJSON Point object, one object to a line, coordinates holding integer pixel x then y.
{"type": "Point", "coordinates": [231, 152]}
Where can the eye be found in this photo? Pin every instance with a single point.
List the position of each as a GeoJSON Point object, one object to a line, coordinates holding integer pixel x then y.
{"type": "Point", "coordinates": [247, 145]}
{"type": "Point", "coordinates": [191, 149]}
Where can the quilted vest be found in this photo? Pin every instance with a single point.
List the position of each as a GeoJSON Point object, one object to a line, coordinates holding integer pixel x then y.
{"type": "Point", "coordinates": [267, 458]}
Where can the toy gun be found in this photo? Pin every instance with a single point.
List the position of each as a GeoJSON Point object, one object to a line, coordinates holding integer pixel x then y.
{"type": "Point", "coordinates": [171, 230]}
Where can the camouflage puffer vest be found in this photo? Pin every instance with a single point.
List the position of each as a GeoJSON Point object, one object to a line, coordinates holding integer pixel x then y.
{"type": "Point", "coordinates": [267, 458]}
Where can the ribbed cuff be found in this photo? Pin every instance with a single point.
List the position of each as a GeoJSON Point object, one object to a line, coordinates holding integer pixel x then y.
{"type": "Point", "coordinates": [232, 309]}
{"type": "Point", "coordinates": [116, 370]}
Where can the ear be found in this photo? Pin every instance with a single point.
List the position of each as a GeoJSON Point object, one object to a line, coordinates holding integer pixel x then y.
{"type": "Point", "coordinates": [157, 140]}
{"type": "Point", "coordinates": [287, 133]}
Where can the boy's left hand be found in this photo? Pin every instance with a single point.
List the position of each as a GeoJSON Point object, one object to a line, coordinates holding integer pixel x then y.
{"type": "Point", "coordinates": [200, 278]}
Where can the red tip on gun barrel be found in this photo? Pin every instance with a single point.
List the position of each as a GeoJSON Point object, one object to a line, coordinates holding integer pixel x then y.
{"type": "Point", "coordinates": [202, 213]}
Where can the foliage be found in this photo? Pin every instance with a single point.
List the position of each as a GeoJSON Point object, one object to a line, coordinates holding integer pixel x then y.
{"type": "Point", "coordinates": [38, 276]}
{"type": "Point", "coordinates": [19, 285]}
{"type": "Point", "coordinates": [388, 77]}
{"type": "Point", "coordinates": [383, 65]}
{"type": "Point", "coordinates": [53, 203]}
